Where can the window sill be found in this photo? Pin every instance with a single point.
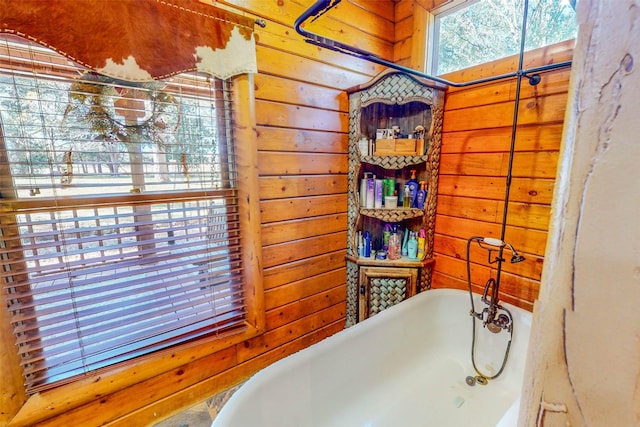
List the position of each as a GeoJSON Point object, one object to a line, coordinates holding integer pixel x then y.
{"type": "Point", "coordinates": [52, 403]}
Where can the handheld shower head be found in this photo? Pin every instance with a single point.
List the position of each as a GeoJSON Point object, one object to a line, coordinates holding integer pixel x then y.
{"type": "Point", "coordinates": [515, 257]}
{"type": "Point", "coordinates": [492, 244]}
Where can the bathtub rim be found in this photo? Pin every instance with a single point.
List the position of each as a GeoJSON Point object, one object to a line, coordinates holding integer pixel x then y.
{"type": "Point", "coordinates": [227, 412]}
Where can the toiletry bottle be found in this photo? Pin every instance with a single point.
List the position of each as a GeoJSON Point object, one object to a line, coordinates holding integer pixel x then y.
{"type": "Point", "coordinates": [413, 188]}
{"type": "Point", "coordinates": [405, 243]}
{"type": "Point", "coordinates": [412, 246]}
{"type": "Point", "coordinates": [389, 185]}
{"type": "Point", "coordinates": [422, 195]}
{"type": "Point", "coordinates": [386, 233]}
{"type": "Point", "coordinates": [363, 190]}
{"type": "Point", "coordinates": [394, 243]}
{"type": "Point", "coordinates": [406, 198]}
{"type": "Point", "coordinates": [367, 244]}
{"type": "Point", "coordinates": [379, 191]}
{"type": "Point", "coordinates": [422, 238]}
{"type": "Point", "coordinates": [371, 185]}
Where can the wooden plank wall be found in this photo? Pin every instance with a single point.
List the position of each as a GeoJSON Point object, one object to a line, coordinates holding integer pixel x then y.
{"type": "Point", "coordinates": [411, 37]}
{"type": "Point", "coordinates": [302, 127]}
{"type": "Point", "coordinates": [302, 118]}
{"type": "Point", "coordinates": [473, 170]}
{"type": "Point", "coordinates": [475, 146]}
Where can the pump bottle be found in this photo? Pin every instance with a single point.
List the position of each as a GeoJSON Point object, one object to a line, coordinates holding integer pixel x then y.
{"type": "Point", "coordinates": [413, 188]}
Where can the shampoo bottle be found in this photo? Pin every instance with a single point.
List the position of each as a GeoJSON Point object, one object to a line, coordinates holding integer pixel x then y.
{"type": "Point", "coordinates": [363, 191]}
{"type": "Point", "coordinates": [405, 243]}
{"type": "Point", "coordinates": [422, 195]}
{"type": "Point", "coordinates": [422, 238]}
{"type": "Point", "coordinates": [378, 193]}
{"type": "Point", "coordinates": [367, 244]}
{"type": "Point", "coordinates": [413, 189]}
{"type": "Point", "coordinates": [412, 246]}
{"type": "Point", "coordinates": [370, 193]}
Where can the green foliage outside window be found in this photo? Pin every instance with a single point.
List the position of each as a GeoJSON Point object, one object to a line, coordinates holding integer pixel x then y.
{"type": "Point", "coordinates": [491, 29]}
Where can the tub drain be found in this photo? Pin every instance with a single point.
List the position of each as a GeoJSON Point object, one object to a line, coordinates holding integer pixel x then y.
{"type": "Point", "coordinates": [481, 380]}
{"type": "Point", "coordinates": [478, 379]}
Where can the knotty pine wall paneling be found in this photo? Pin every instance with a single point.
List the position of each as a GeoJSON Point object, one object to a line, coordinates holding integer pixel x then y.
{"type": "Point", "coordinates": [473, 169]}
{"type": "Point", "coordinates": [302, 128]}
{"type": "Point", "coordinates": [411, 35]}
{"type": "Point", "coordinates": [474, 160]}
{"type": "Point", "coordinates": [302, 135]}
{"type": "Point", "coordinates": [301, 113]}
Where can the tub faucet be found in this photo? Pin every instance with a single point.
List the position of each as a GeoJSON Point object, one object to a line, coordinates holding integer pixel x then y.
{"type": "Point", "coordinates": [493, 299]}
{"type": "Point", "coordinates": [491, 319]}
{"type": "Point", "coordinates": [490, 316]}
{"type": "Point", "coordinates": [494, 316]}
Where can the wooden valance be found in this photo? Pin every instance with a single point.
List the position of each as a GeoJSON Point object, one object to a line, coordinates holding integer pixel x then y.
{"type": "Point", "coordinates": [137, 40]}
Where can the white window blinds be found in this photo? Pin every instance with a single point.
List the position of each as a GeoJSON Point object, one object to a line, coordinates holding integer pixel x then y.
{"type": "Point", "coordinates": [119, 215]}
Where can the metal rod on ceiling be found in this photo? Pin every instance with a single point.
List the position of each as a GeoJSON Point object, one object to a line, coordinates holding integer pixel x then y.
{"type": "Point", "coordinates": [320, 7]}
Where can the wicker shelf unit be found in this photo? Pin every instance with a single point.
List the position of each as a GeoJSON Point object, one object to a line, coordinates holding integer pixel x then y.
{"type": "Point", "coordinates": [391, 99]}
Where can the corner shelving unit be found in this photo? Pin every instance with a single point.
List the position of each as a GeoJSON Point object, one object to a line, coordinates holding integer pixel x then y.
{"type": "Point", "coordinates": [391, 98]}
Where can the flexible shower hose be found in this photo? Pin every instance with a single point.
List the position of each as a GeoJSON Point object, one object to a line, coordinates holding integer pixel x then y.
{"type": "Point", "coordinates": [473, 318]}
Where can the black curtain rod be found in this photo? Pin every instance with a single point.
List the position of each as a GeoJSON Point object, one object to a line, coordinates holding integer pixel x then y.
{"type": "Point", "coordinates": [320, 7]}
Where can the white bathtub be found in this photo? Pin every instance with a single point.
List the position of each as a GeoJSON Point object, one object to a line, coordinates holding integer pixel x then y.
{"type": "Point", "coordinates": [404, 367]}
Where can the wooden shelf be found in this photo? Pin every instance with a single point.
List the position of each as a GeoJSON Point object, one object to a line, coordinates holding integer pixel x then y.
{"type": "Point", "coordinates": [402, 262]}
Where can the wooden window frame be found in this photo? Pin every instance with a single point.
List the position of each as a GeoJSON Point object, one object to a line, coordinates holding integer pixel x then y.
{"type": "Point", "coordinates": [431, 49]}
{"type": "Point", "coordinates": [30, 410]}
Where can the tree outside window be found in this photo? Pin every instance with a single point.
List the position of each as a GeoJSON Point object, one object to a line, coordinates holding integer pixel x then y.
{"type": "Point", "coordinates": [486, 30]}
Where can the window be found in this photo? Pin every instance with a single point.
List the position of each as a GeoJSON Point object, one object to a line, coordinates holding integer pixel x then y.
{"type": "Point", "coordinates": [477, 32]}
{"type": "Point", "coordinates": [120, 223]}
